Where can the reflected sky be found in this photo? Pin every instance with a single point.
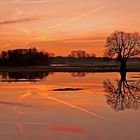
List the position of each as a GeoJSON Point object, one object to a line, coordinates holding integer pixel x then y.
{"type": "Point", "coordinates": [32, 110]}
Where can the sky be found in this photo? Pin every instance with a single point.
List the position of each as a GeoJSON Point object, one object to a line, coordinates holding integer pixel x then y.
{"type": "Point", "coordinates": [60, 26]}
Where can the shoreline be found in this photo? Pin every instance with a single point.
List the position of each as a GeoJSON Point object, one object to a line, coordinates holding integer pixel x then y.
{"type": "Point", "coordinates": [99, 68]}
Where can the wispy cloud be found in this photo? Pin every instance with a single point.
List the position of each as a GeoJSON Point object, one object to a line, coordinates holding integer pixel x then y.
{"type": "Point", "coordinates": [25, 2]}
{"type": "Point", "coordinates": [15, 21]}
{"type": "Point", "coordinates": [5, 46]}
{"type": "Point", "coordinates": [78, 17]}
{"type": "Point", "coordinates": [88, 38]}
{"type": "Point", "coordinates": [19, 12]}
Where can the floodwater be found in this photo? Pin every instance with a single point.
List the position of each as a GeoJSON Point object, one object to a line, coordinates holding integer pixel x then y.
{"type": "Point", "coordinates": [69, 106]}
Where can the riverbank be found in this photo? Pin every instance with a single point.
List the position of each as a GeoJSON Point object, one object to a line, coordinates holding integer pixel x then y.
{"type": "Point", "coordinates": [97, 68]}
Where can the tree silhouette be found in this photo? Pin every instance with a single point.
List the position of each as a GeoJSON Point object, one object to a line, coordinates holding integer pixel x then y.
{"type": "Point", "coordinates": [80, 54]}
{"type": "Point", "coordinates": [123, 94]}
{"type": "Point", "coordinates": [123, 46]}
{"type": "Point", "coordinates": [24, 57]}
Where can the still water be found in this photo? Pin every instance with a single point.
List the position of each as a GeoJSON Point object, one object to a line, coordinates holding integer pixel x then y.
{"type": "Point", "coordinates": [69, 106]}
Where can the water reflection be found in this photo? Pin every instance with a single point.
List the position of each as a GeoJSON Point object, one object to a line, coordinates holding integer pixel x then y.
{"type": "Point", "coordinates": [31, 76]}
{"type": "Point", "coordinates": [68, 89]}
{"type": "Point", "coordinates": [62, 107]}
{"type": "Point", "coordinates": [22, 76]}
{"type": "Point", "coordinates": [123, 94]}
{"type": "Point", "coordinates": [14, 104]}
{"type": "Point", "coordinates": [78, 74]}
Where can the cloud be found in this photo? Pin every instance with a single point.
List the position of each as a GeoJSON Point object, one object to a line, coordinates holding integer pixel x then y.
{"type": "Point", "coordinates": [15, 21]}
{"type": "Point", "coordinates": [88, 38]}
{"type": "Point", "coordinates": [25, 2]}
{"type": "Point", "coordinates": [78, 17]}
{"type": "Point", "coordinates": [5, 46]}
{"type": "Point", "coordinates": [18, 12]}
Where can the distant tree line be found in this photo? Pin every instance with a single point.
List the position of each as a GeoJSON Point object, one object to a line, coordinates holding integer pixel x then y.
{"type": "Point", "coordinates": [24, 57]}
{"type": "Point", "coordinates": [80, 54]}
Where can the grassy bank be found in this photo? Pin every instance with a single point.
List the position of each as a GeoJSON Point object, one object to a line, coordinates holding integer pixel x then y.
{"type": "Point", "coordinates": [97, 68]}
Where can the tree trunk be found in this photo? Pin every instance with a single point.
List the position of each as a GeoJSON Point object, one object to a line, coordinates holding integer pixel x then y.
{"type": "Point", "coordinates": [123, 70]}
{"type": "Point", "coordinates": [123, 76]}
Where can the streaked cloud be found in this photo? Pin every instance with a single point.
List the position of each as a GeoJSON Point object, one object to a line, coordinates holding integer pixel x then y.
{"type": "Point", "coordinates": [25, 2]}
{"type": "Point", "coordinates": [88, 38]}
{"type": "Point", "coordinates": [79, 17]}
{"type": "Point", "coordinates": [15, 21]}
{"type": "Point", "coordinates": [5, 46]}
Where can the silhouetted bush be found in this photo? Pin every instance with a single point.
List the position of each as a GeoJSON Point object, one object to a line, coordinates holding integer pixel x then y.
{"type": "Point", "coordinates": [24, 57]}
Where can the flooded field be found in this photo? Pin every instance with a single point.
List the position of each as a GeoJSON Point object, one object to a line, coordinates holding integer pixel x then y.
{"type": "Point", "coordinates": [69, 106]}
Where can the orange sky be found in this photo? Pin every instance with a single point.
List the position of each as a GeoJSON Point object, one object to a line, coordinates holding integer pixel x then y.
{"type": "Point", "coordinates": [60, 26]}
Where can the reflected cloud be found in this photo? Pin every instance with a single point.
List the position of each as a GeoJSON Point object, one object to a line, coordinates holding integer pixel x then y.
{"type": "Point", "coordinates": [136, 76]}
{"type": "Point", "coordinates": [67, 128]}
{"type": "Point", "coordinates": [20, 128]}
{"type": "Point", "coordinates": [24, 123]}
{"type": "Point", "coordinates": [68, 89]}
{"type": "Point", "coordinates": [123, 94]}
{"type": "Point", "coordinates": [72, 128]}
{"type": "Point", "coordinates": [14, 104]}
{"type": "Point", "coordinates": [19, 112]}
{"type": "Point", "coordinates": [77, 108]}
{"type": "Point", "coordinates": [27, 94]}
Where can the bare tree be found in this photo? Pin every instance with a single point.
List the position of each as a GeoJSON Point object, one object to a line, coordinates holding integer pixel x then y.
{"type": "Point", "coordinates": [80, 54]}
{"type": "Point", "coordinates": [123, 46]}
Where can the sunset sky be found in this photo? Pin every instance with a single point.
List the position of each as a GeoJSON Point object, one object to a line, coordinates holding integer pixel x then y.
{"type": "Point", "coordinates": [61, 26]}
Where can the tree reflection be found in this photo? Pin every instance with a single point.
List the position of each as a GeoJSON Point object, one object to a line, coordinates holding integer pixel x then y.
{"type": "Point", "coordinates": [23, 76]}
{"type": "Point", "coordinates": [123, 94]}
{"type": "Point", "coordinates": [78, 74]}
